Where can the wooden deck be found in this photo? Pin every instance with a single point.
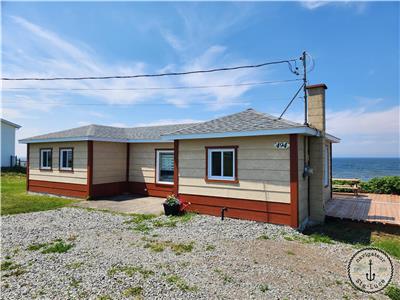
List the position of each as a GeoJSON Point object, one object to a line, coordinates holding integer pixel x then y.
{"type": "Point", "coordinates": [365, 207]}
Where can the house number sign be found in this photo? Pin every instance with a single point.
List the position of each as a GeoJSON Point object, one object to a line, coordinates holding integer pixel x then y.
{"type": "Point", "coordinates": [282, 145]}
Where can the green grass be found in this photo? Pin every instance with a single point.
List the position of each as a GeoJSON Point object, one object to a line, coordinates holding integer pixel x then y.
{"type": "Point", "coordinates": [160, 246]}
{"type": "Point", "coordinates": [142, 227]}
{"type": "Point", "coordinates": [290, 252]}
{"type": "Point", "coordinates": [133, 291]}
{"type": "Point", "coordinates": [360, 235]}
{"type": "Point", "coordinates": [74, 265]}
{"type": "Point", "coordinates": [264, 287]}
{"type": "Point", "coordinates": [15, 269]}
{"type": "Point", "coordinates": [140, 218]}
{"type": "Point", "coordinates": [180, 283]}
{"type": "Point", "coordinates": [393, 292]}
{"type": "Point", "coordinates": [320, 238]}
{"type": "Point", "coordinates": [170, 222]}
{"type": "Point", "coordinates": [57, 247]}
{"type": "Point", "coordinates": [181, 248]}
{"type": "Point", "coordinates": [130, 270]}
{"type": "Point", "coordinates": [15, 199]}
{"type": "Point", "coordinates": [155, 246]}
{"type": "Point", "coordinates": [7, 265]}
{"type": "Point", "coordinates": [390, 245]}
{"type": "Point", "coordinates": [263, 237]}
{"type": "Point", "coordinates": [210, 247]}
{"type": "Point", "coordinates": [36, 246]}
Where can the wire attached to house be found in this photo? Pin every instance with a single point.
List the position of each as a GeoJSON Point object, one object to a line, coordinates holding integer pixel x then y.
{"type": "Point", "coordinates": [155, 88]}
{"type": "Point", "coordinates": [288, 62]}
{"type": "Point", "coordinates": [291, 101]}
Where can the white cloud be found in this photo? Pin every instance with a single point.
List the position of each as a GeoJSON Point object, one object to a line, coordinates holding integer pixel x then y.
{"type": "Point", "coordinates": [358, 6]}
{"type": "Point", "coordinates": [366, 133]}
{"type": "Point", "coordinates": [385, 122]}
{"type": "Point", "coordinates": [313, 4]}
{"type": "Point", "coordinates": [55, 56]}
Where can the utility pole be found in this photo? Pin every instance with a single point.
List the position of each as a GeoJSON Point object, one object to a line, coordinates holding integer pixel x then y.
{"type": "Point", "coordinates": [303, 58]}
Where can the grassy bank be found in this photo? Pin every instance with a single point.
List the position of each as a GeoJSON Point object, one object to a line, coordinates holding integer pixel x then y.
{"type": "Point", "coordinates": [15, 200]}
{"type": "Point", "coordinates": [360, 235]}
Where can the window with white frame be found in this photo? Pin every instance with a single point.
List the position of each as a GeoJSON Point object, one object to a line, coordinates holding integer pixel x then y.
{"type": "Point", "coordinates": [165, 166]}
{"type": "Point", "coordinates": [46, 159]}
{"type": "Point", "coordinates": [221, 164]}
{"type": "Point", "coordinates": [66, 159]}
{"type": "Point", "coordinates": [326, 166]}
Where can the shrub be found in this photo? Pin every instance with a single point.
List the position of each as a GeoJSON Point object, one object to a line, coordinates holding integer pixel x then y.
{"type": "Point", "coordinates": [382, 185]}
{"type": "Point", "coordinates": [172, 201]}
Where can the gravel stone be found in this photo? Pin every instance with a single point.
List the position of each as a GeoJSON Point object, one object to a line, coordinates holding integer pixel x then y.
{"type": "Point", "coordinates": [229, 260]}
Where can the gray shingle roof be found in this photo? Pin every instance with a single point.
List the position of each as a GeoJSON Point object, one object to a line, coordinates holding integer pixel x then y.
{"type": "Point", "coordinates": [109, 132]}
{"type": "Point", "coordinates": [248, 120]}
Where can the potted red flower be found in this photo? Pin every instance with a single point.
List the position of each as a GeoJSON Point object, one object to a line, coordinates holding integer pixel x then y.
{"type": "Point", "coordinates": [172, 206]}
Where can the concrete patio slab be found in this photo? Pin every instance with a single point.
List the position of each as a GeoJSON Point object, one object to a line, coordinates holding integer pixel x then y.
{"type": "Point", "coordinates": [127, 204]}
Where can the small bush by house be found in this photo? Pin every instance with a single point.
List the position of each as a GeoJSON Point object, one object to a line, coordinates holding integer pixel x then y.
{"type": "Point", "coordinates": [382, 185]}
{"type": "Point", "coordinates": [377, 185]}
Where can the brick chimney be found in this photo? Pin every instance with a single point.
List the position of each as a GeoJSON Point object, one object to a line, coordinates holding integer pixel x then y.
{"type": "Point", "coordinates": [316, 106]}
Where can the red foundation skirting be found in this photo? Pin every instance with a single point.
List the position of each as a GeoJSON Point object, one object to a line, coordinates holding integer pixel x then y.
{"type": "Point", "coordinates": [262, 211]}
{"type": "Point", "coordinates": [109, 189]}
{"type": "Point", "coordinates": [150, 189]}
{"type": "Point", "coordinates": [58, 188]}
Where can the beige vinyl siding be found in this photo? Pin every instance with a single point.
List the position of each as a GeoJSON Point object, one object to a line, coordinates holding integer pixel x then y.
{"type": "Point", "coordinates": [109, 162]}
{"type": "Point", "coordinates": [264, 171]}
{"type": "Point", "coordinates": [142, 161]}
{"type": "Point", "coordinates": [79, 173]}
{"type": "Point", "coordinates": [303, 182]}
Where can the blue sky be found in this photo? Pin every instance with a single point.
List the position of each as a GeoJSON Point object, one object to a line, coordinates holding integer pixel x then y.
{"type": "Point", "coordinates": [355, 47]}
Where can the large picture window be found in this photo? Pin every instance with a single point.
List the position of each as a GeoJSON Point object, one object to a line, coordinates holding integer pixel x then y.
{"type": "Point", "coordinates": [66, 159]}
{"type": "Point", "coordinates": [165, 166]}
{"type": "Point", "coordinates": [46, 156]}
{"type": "Point", "coordinates": [221, 164]}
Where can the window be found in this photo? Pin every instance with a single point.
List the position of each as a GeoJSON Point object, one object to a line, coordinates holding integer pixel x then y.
{"type": "Point", "coordinates": [221, 164]}
{"type": "Point", "coordinates": [165, 166]}
{"type": "Point", "coordinates": [46, 159]}
{"type": "Point", "coordinates": [66, 159]}
{"type": "Point", "coordinates": [326, 166]}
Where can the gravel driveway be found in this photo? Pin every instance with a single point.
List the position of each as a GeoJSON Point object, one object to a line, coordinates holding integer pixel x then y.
{"type": "Point", "coordinates": [201, 258]}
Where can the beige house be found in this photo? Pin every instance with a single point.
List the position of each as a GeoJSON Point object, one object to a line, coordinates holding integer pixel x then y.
{"type": "Point", "coordinates": [252, 164]}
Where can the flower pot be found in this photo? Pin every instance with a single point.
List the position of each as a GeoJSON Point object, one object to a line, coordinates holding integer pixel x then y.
{"type": "Point", "coordinates": [171, 210]}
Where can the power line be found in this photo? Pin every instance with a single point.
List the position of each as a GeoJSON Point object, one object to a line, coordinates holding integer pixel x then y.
{"type": "Point", "coordinates": [12, 101]}
{"type": "Point", "coordinates": [289, 61]}
{"type": "Point", "coordinates": [155, 88]}
{"type": "Point", "coordinates": [291, 101]}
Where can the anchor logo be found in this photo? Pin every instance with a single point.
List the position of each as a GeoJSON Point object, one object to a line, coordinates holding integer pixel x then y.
{"type": "Point", "coordinates": [370, 276]}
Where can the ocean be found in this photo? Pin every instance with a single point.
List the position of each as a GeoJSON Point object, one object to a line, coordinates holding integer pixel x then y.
{"type": "Point", "coordinates": [365, 168]}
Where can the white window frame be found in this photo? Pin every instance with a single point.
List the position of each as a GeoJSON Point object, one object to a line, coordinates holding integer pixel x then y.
{"type": "Point", "coordinates": [61, 159]}
{"type": "Point", "coordinates": [209, 167]}
{"type": "Point", "coordinates": [326, 166]}
{"type": "Point", "coordinates": [158, 152]}
{"type": "Point", "coordinates": [49, 150]}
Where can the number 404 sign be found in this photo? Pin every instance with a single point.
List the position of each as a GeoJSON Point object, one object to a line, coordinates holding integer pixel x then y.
{"type": "Point", "coordinates": [282, 145]}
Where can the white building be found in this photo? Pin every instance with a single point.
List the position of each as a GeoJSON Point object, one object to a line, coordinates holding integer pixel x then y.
{"type": "Point", "coordinates": [8, 142]}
